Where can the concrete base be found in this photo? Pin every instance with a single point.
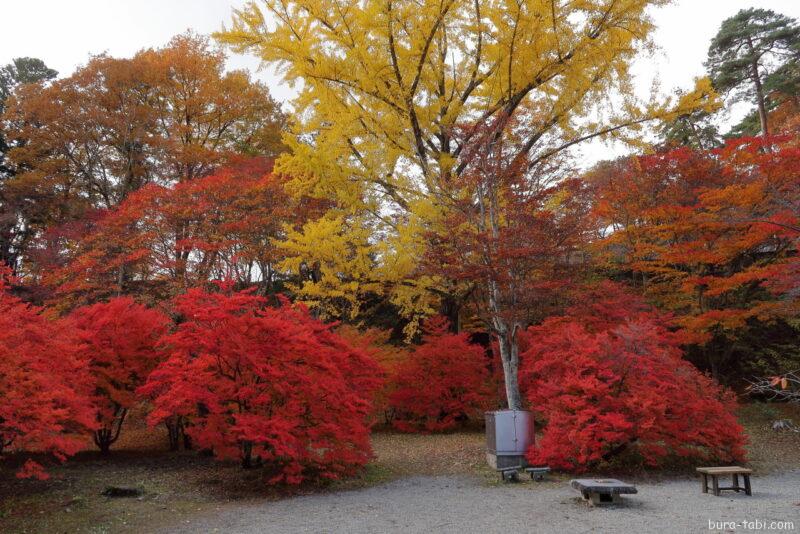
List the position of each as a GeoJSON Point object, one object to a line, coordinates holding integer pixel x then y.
{"type": "Point", "coordinates": [600, 499]}
{"type": "Point", "coordinates": [502, 462]}
{"type": "Point", "coordinates": [537, 473]}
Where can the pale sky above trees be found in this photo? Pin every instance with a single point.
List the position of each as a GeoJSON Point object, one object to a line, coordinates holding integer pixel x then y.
{"type": "Point", "coordinates": [65, 34]}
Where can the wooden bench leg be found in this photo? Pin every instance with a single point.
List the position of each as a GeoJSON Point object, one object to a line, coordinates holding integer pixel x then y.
{"type": "Point", "coordinates": [747, 485]}
{"type": "Point", "coordinates": [704, 482]}
{"type": "Point", "coordinates": [715, 485]}
{"type": "Point", "coordinates": [736, 483]}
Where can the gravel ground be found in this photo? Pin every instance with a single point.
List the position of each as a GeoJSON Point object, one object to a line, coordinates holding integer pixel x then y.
{"type": "Point", "coordinates": [461, 504]}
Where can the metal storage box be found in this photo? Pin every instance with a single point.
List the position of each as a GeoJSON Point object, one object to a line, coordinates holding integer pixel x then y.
{"type": "Point", "coordinates": [509, 434]}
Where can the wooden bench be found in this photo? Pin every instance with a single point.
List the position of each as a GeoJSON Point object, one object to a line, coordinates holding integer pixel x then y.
{"type": "Point", "coordinates": [602, 490]}
{"type": "Point", "coordinates": [733, 471]}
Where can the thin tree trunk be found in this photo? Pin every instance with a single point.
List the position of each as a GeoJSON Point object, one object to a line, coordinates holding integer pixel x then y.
{"type": "Point", "coordinates": [714, 368]}
{"type": "Point", "coordinates": [4, 443]}
{"type": "Point", "coordinates": [106, 436]}
{"type": "Point", "coordinates": [451, 308]}
{"type": "Point", "coordinates": [762, 107]}
{"type": "Point", "coordinates": [176, 432]}
{"type": "Point", "coordinates": [506, 333]}
{"type": "Point", "coordinates": [120, 280]}
{"type": "Point", "coordinates": [247, 454]}
{"type": "Point", "coordinates": [760, 100]}
{"type": "Point", "coordinates": [509, 355]}
{"type": "Point", "coordinates": [173, 433]}
{"type": "Point", "coordinates": [713, 362]}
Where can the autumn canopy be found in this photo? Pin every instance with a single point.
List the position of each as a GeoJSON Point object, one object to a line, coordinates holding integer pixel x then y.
{"type": "Point", "coordinates": [408, 242]}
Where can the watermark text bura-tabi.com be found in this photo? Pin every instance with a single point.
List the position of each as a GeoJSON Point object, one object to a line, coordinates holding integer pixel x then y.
{"type": "Point", "coordinates": [751, 524]}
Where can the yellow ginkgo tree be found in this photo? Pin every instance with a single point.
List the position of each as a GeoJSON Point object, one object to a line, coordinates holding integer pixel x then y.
{"type": "Point", "coordinates": [392, 95]}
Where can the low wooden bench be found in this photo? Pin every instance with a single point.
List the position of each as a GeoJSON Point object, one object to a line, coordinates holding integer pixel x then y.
{"type": "Point", "coordinates": [602, 490]}
{"type": "Point", "coordinates": [733, 471]}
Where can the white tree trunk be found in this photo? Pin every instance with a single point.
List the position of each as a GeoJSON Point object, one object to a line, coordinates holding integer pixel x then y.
{"type": "Point", "coordinates": [509, 355]}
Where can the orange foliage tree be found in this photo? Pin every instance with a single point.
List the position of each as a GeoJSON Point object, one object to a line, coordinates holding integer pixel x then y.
{"type": "Point", "coordinates": [389, 357]}
{"type": "Point", "coordinates": [767, 198]}
{"type": "Point", "coordinates": [163, 116]}
{"type": "Point", "coordinates": [703, 232]}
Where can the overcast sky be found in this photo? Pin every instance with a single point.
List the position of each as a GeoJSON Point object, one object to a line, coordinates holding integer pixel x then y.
{"type": "Point", "coordinates": [65, 33]}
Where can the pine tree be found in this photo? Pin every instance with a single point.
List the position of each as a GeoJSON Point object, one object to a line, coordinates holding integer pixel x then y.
{"type": "Point", "coordinates": [746, 47]}
{"type": "Point", "coordinates": [21, 70]}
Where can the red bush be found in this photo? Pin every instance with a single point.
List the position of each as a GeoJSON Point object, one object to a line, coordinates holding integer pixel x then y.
{"type": "Point", "coordinates": [45, 388]}
{"type": "Point", "coordinates": [119, 339]}
{"type": "Point", "coordinates": [623, 388]}
{"type": "Point", "coordinates": [444, 381]}
{"type": "Point", "coordinates": [270, 386]}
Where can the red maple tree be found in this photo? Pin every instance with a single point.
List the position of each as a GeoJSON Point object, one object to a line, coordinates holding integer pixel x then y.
{"type": "Point", "coordinates": [612, 385]}
{"type": "Point", "coordinates": [271, 386]}
{"type": "Point", "coordinates": [511, 235]}
{"type": "Point", "coordinates": [45, 388]}
{"type": "Point", "coordinates": [444, 381]}
{"type": "Point", "coordinates": [162, 240]}
{"type": "Point", "coordinates": [119, 340]}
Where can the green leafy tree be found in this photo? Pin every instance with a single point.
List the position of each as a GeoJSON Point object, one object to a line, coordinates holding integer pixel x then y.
{"type": "Point", "coordinates": [23, 70]}
{"type": "Point", "coordinates": [747, 46]}
{"type": "Point", "coordinates": [749, 126]}
{"type": "Point", "coordinates": [20, 71]}
{"type": "Point", "coordinates": [780, 87]}
{"type": "Point", "coordinates": [785, 80]}
{"type": "Point", "coordinates": [693, 129]}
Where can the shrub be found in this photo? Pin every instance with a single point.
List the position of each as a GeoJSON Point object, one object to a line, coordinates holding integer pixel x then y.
{"type": "Point", "coordinates": [45, 387]}
{"type": "Point", "coordinates": [444, 381]}
{"type": "Point", "coordinates": [271, 386]}
{"type": "Point", "coordinates": [605, 389]}
{"type": "Point", "coordinates": [119, 340]}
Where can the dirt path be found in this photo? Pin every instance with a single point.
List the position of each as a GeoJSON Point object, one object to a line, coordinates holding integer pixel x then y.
{"type": "Point", "coordinates": [461, 504]}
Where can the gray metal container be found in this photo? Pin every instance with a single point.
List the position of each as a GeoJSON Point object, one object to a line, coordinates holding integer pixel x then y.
{"type": "Point", "coordinates": [509, 434]}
